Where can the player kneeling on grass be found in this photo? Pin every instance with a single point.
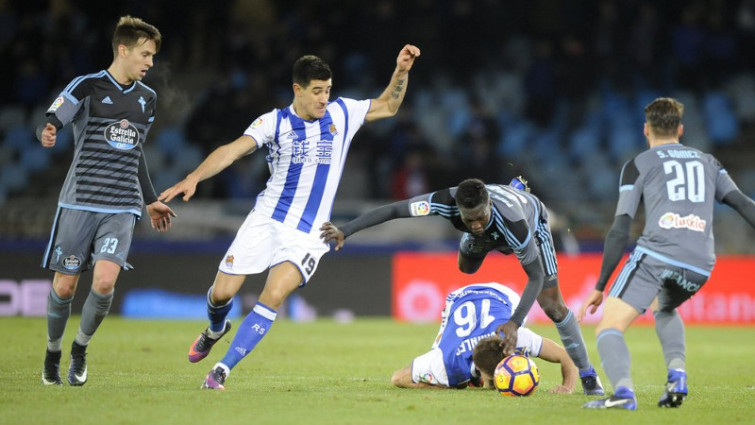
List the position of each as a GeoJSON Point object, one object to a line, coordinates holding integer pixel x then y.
{"type": "Point", "coordinates": [467, 349]}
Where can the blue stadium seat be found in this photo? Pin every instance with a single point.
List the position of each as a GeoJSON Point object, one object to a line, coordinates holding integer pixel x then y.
{"type": "Point", "coordinates": [514, 138]}
{"type": "Point", "coordinates": [11, 116]}
{"type": "Point", "coordinates": [13, 177]}
{"type": "Point", "coordinates": [170, 140]}
{"type": "Point", "coordinates": [582, 142]}
{"type": "Point", "coordinates": [35, 158]}
{"type": "Point", "coordinates": [187, 159]}
{"type": "Point", "coordinates": [625, 141]}
{"type": "Point", "coordinates": [721, 123]}
{"type": "Point", "coordinates": [19, 136]}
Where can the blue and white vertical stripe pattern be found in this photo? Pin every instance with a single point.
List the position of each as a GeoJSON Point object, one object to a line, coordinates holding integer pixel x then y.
{"type": "Point", "coordinates": [306, 160]}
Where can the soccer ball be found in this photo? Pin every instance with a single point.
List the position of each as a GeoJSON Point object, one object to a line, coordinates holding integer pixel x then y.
{"type": "Point", "coordinates": [516, 376]}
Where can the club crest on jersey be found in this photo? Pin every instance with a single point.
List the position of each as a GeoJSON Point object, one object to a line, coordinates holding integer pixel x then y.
{"type": "Point", "coordinates": [675, 221]}
{"type": "Point", "coordinates": [332, 129]}
{"type": "Point", "coordinates": [122, 135]}
{"type": "Point", "coordinates": [71, 262]}
{"type": "Point", "coordinates": [419, 208]}
{"type": "Point", "coordinates": [56, 104]}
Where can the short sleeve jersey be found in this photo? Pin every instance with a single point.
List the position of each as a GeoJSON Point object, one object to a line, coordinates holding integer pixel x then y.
{"type": "Point", "coordinates": [472, 313]}
{"type": "Point", "coordinates": [678, 186]}
{"type": "Point", "coordinates": [306, 160]}
{"type": "Point", "coordinates": [514, 217]}
{"type": "Point", "coordinates": [110, 123]}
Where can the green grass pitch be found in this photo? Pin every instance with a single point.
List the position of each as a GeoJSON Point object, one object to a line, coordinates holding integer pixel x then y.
{"type": "Point", "coordinates": [324, 372]}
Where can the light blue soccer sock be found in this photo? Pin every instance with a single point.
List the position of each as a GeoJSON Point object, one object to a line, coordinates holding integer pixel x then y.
{"type": "Point", "coordinates": [614, 354]}
{"type": "Point", "coordinates": [571, 336]}
{"type": "Point", "coordinates": [217, 314]}
{"type": "Point", "coordinates": [251, 331]}
{"type": "Point", "coordinates": [58, 312]}
{"type": "Point", "coordinates": [670, 330]}
{"type": "Point", "coordinates": [96, 307]}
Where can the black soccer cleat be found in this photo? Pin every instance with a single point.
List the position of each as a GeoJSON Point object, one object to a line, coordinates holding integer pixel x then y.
{"type": "Point", "coordinates": [203, 344]}
{"type": "Point", "coordinates": [77, 372]}
{"type": "Point", "coordinates": [591, 383]}
{"type": "Point", "coordinates": [51, 372]}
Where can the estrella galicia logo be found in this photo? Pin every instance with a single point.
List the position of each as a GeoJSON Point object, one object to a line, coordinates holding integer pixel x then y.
{"type": "Point", "coordinates": [71, 262]}
{"type": "Point", "coordinates": [122, 135]}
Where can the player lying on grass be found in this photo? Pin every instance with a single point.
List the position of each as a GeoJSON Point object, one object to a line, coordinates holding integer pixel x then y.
{"type": "Point", "coordinates": [502, 218]}
{"type": "Point", "coordinates": [467, 349]}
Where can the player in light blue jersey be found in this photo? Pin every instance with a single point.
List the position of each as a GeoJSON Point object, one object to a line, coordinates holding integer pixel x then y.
{"type": "Point", "coordinates": [674, 257]}
{"type": "Point", "coordinates": [104, 192]}
{"type": "Point", "coordinates": [467, 336]}
{"type": "Point", "coordinates": [503, 218]}
{"type": "Point", "coordinates": [306, 143]}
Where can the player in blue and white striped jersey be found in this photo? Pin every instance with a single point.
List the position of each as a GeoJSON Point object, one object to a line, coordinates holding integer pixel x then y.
{"type": "Point", "coordinates": [467, 332]}
{"type": "Point", "coordinates": [496, 218]}
{"type": "Point", "coordinates": [307, 143]}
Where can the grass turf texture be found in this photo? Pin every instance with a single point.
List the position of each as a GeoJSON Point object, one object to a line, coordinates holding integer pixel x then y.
{"type": "Point", "coordinates": [328, 373]}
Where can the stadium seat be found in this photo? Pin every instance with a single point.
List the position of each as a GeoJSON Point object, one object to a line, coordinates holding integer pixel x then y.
{"type": "Point", "coordinates": [19, 136]}
{"type": "Point", "coordinates": [515, 138]}
{"type": "Point", "coordinates": [170, 140]}
{"type": "Point", "coordinates": [187, 159]}
{"type": "Point", "coordinates": [13, 177]}
{"type": "Point", "coordinates": [35, 158]}
{"type": "Point", "coordinates": [625, 141]}
{"type": "Point", "coordinates": [743, 89]}
{"type": "Point", "coordinates": [582, 142]}
{"type": "Point", "coordinates": [11, 116]}
{"type": "Point", "coordinates": [720, 121]}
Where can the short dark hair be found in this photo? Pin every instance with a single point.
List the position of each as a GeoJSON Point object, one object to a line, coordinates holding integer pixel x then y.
{"type": "Point", "coordinates": [471, 193]}
{"type": "Point", "coordinates": [664, 116]}
{"type": "Point", "coordinates": [310, 67]}
{"type": "Point", "coordinates": [487, 354]}
{"type": "Point", "coordinates": [130, 30]}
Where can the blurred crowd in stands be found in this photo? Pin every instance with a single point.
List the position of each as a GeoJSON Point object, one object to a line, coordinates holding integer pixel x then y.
{"type": "Point", "coordinates": [552, 90]}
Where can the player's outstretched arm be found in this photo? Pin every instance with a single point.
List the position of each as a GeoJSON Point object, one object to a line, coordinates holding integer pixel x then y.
{"type": "Point", "coordinates": [387, 104]}
{"type": "Point", "coordinates": [371, 218]}
{"type": "Point", "coordinates": [742, 204]}
{"type": "Point", "coordinates": [216, 162]}
{"type": "Point", "coordinates": [554, 353]}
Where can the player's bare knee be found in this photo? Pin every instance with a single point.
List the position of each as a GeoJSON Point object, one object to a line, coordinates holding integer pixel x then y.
{"type": "Point", "coordinates": [220, 297]}
{"type": "Point", "coordinates": [64, 292]}
{"type": "Point", "coordinates": [64, 285]}
{"type": "Point", "coordinates": [396, 378]}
